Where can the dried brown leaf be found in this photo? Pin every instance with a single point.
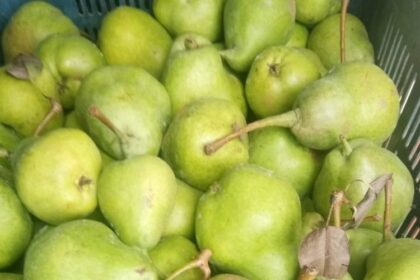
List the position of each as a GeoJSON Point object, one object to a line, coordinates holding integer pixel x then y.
{"type": "Point", "coordinates": [20, 66]}
{"type": "Point", "coordinates": [327, 250]}
{"type": "Point", "coordinates": [362, 208]}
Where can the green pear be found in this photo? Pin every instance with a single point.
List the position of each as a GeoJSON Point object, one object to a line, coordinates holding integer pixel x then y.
{"type": "Point", "coordinates": [131, 36]}
{"type": "Point", "coordinates": [201, 17]}
{"type": "Point", "coordinates": [9, 139]}
{"type": "Point", "coordinates": [276, 148]}
{"type": "Point", "coordinates": [353, 100]}
{"type": "Point", "coordinates": [362, 242]}
{"type": "Point", "coordinates": [351, 167]}
{"type": "Point", "coordinates": [30, 24]}
{"type": "Point", "coordinates": [299, 36]}
{"type": "Point", "coordinates": [325, 41]}
{"type": "Point", "coordinates": [181, 220]}
{"type": "Point", "coordinates": [194, 127]}
{"type": "Point", "coordinates": [394, 260]}
{"type": "Point", "coordinates": [10, 276]}
{"type": "Point", "coordinates": [15, 224]}
{"type": "Point", "coordinates": [71, 121]}
{"type": "Point", "coordinates": [23, 106]}
{"type": "Point", "coordinates": [277, 76]}
{"type": "Point", "coordinates": [228, 277]}
{"type": "Point", "coordinates": [69, 58]}
{"type": "Point", "coordinates": [85, 250]}
{"type": "Point", "coordinates": [172, 253]}
{"type": "Point", "coordinates": [252, 26]}
{"type": "Point", "coordinates": [124, 109]}
{"type": "Point", "coordinates": [237, 91]}
{"type": "Point", "coordinates": [311, 221]}
{"type": "Point", "coordinates": [6, 173]}
{"type": "Point", "coordinates": [148, 186]}
{"type": "Point", "coordinates": [56, 175]}
{"type": "Point", "coordinates": [310, 12]}
{"type": "Point", "coordinates": [195, 70]}
{"type": "Point", "coordinates": [251, 221]}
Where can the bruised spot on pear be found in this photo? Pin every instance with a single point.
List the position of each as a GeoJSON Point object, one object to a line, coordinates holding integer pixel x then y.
{"type": "Point", "coordinates": [83, 181]}
{"type": "Point", "coordinates": [274, 69]}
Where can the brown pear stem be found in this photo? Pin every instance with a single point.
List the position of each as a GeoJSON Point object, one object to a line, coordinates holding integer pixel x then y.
{"type": "Point", "coordinates": [308, 273]}
{"type": "Point", "coordinates": [346, 146]}
{"type": "Point", "coordinates": [373, 218]}
{"type": "Point", "coordinates": [190, 44]}
{"type": "Point", "coordinates": [55, 109]}
{"type": "Point", "coordinates": [338, 200]}
{"type": "Point", "coordinates": [95, 112]}
{"type": "Point", "coordinates": [344, 8]}
{"type": "Point", "coordinates": [387, 231]}
{"type": "Point", "coordinates": [288, 119]}
{"type": "Point", "coordinates": [202, 262]}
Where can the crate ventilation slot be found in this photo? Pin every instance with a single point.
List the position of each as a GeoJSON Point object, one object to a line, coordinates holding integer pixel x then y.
{"type": "Point", "coordinates": [411, 229]}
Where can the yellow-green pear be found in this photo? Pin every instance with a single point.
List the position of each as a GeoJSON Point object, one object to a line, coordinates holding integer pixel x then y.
{"type": "Point", "coordinates": [85, 250]}
{"type": "Point", "coordinates": [182, 217]}
{"type": "Point", "coordinates": [136, 196]}
{"type": "Point", "coordinates": [16, 226]}
{"type": "Point", "coordinates": [30, 24]}
{"type": "Point", "coordinates": [56, 175]}
{"type": "Point", "coordinates": [131, 36]}
{"type": "Point", "coordinates": [198, 16]}
{"type": "Point", "coordinates": [324, 40]}
{"type": "Point", "coordinates": [251, 222]}
{"type": "Point", "coordinates": [252, 26]}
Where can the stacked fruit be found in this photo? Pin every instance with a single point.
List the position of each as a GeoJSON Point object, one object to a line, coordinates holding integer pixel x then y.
{"type": "Point", "coordinates": [133, 159]}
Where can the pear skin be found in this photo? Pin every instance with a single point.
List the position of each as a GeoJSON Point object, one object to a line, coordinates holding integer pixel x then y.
{"type": "Point", "coordinates": [201, 17]}
{"type": "Point", "coordinates": [16, 226]}
{"type": "Point", "coordinates": [148, 185]}
{"type": "Point", "coordinates": [353, 170]}
{"type": "Point", "coordinates": [252, 26]}
{"type": "Point", "coordinates": [251, 221]}
{"type": "Point", "coordinates": [30, 24]}
{"type": "Point", "coordinates": [84, 249]}
{"type": "Point", "coordinates": [131, 36]}
{"type": "Point", "coordinates": [64, 162]}
{"type": "Point", "coordinates": [195, 126]}
{"type": "Point", "coordinates": [394, 260]}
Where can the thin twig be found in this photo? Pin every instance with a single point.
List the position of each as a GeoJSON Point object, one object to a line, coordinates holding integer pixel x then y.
{"type": "Point", "coordinates": [202, 262]}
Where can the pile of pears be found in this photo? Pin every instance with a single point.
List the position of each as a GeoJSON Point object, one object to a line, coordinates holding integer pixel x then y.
{"type": "Point", "coordinates": [202, 140]}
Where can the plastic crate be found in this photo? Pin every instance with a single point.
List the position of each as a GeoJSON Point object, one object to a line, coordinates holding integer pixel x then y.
{"type": "Point", "coordinates": [394, 29]}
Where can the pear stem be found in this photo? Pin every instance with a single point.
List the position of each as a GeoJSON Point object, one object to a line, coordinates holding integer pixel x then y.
{"type": "Point", "coordinates": [338, 200]}
{"type": "Point", "coordinates": [288, 119]}
{"type": "Point", "coordinates": [55, 109]}
{"type": "Point", "coordinates": [190, 44]}
{"type": "Point", "coordinates": [387, 232]}
{"type": "Point", "coordinates": [308, 273]}
{"type": "Point", "coordinates": [373, 218]}
{"type": "Point", "coordinates": [344, 8]}
{"type": "Point", "coordinates": [346, 146]}
{"type": "Point", "coordinates": [202, 262]}
{"type": "Point", "coordinates": [95, 112]}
